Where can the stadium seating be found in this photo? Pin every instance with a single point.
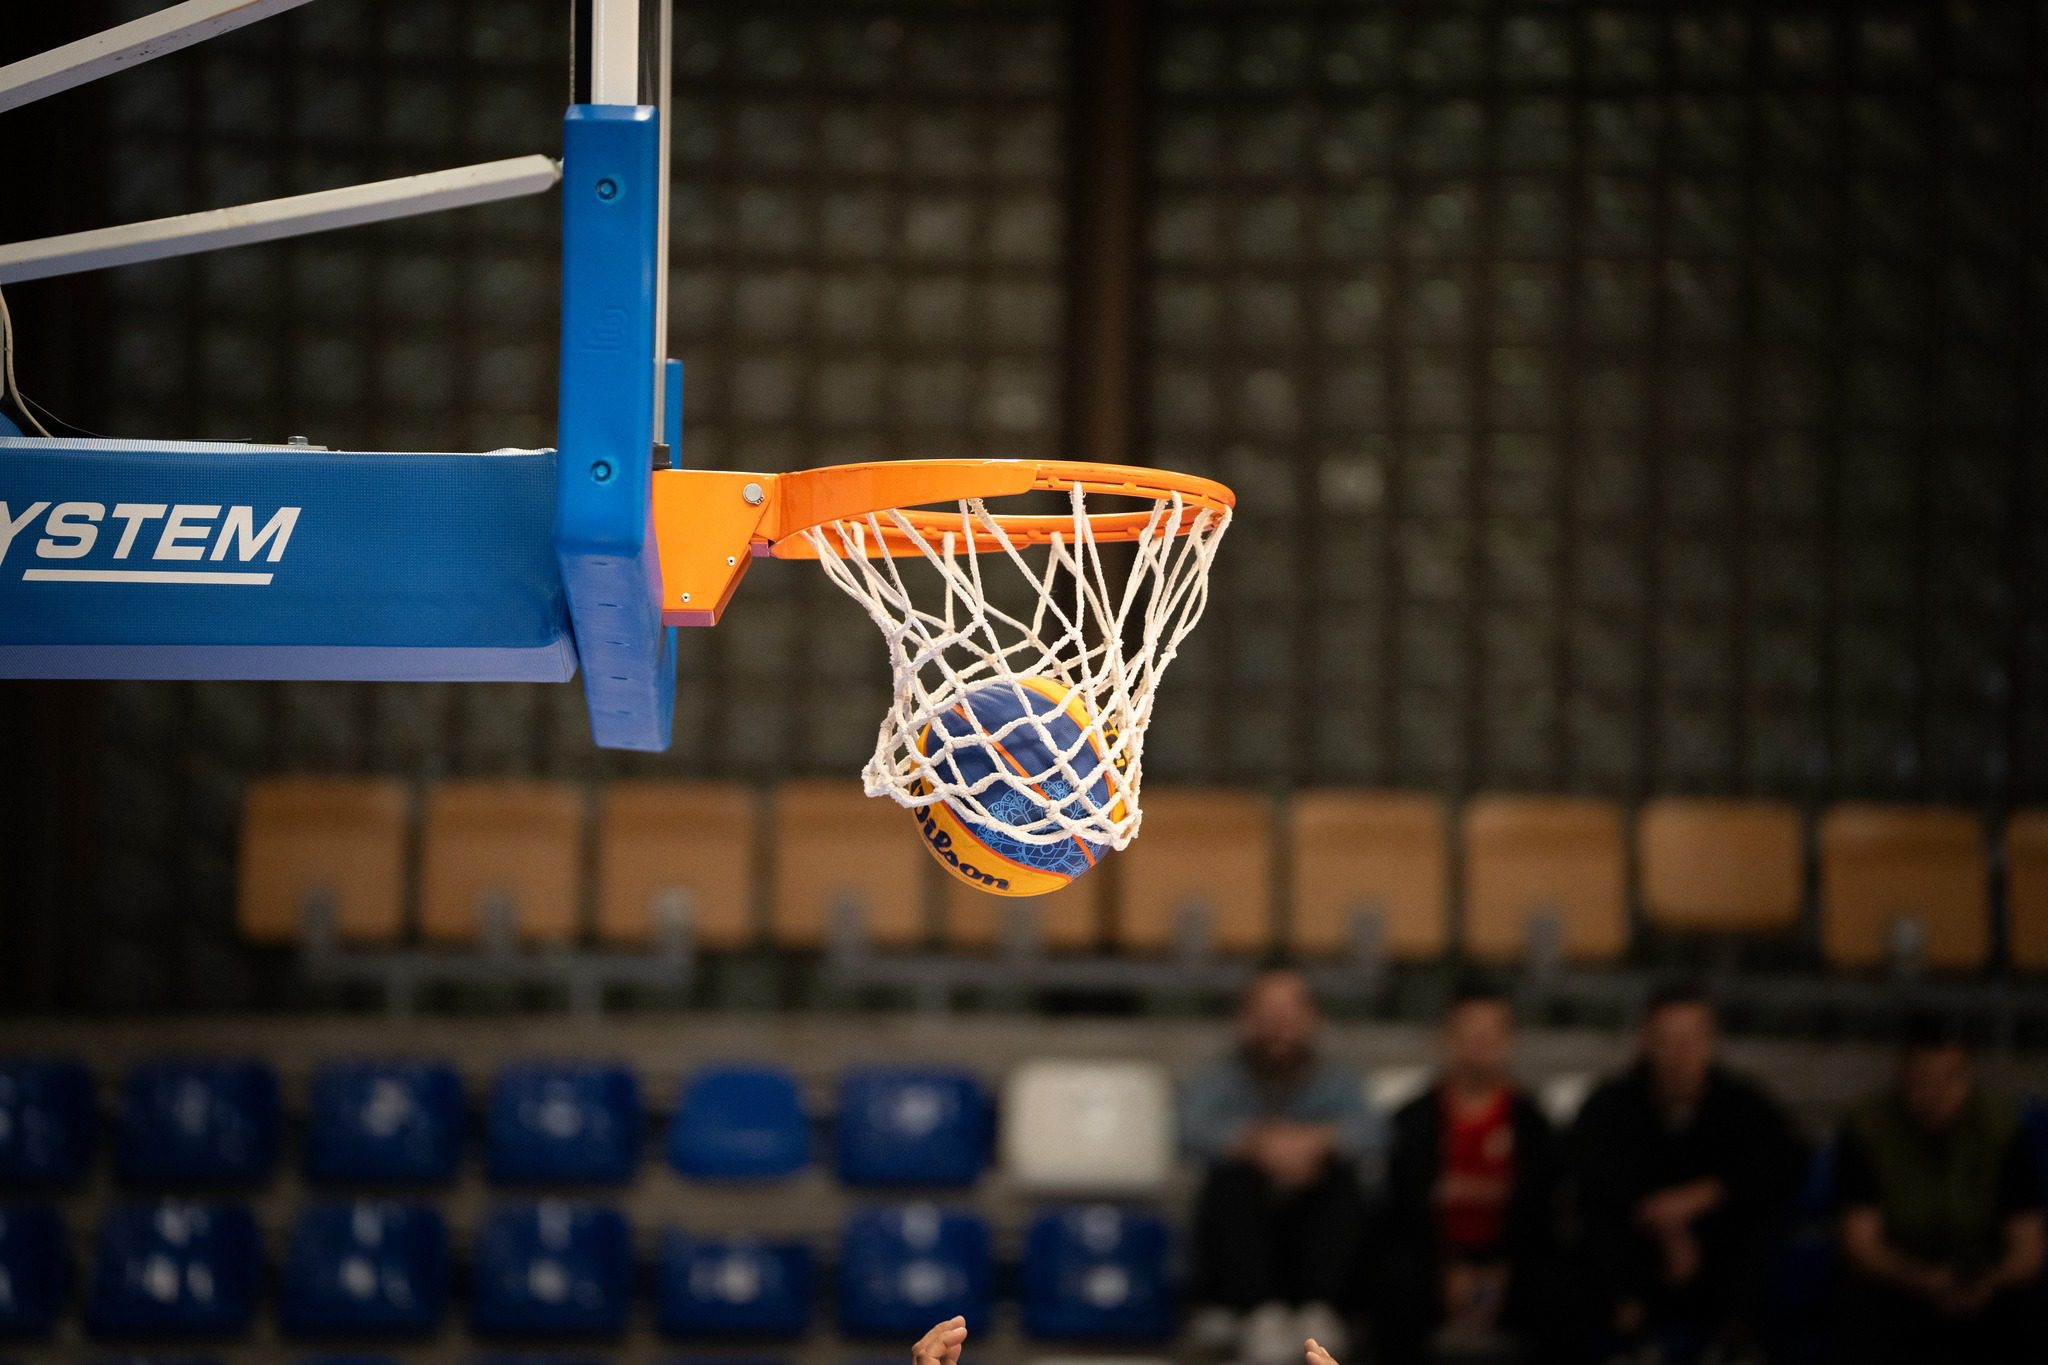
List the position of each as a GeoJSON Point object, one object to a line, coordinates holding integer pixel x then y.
{"type": "Point", "coordinates": [836, 853]}
{"type": "Point", "coordinates": [1904, 886]}
{"type": "Point", "coordinates": [1088, 1127]}
{"type": "Point", "coordinates": [1538, 867]}
{"type": "Point", "coordinates": [175, 1269]}
{"type": "Point", "coordinates": [513, 846]}
{"type": "Point", "coordinates": [35, 1269]}
{"type": "Point", "coordinates": [335, 843]}
{"type": "Point", "coordinates": [564, 1122]}
{"type": "Point", "coordinates": [734, 1288]}
{"type": "Point", "coordinates": [384, 1122]}
{"type": "Point", "coordinates": [1068, 920]}
{"type": "Point", "coordinates": [199, 1122]}
{"type": "Point", "coordinates": [1376, 863]}
{"type": "Point", "coordinates": [1206, 855]}
{"type": "Point", "coordinates": [684, 844]}
{"type": "Point", "coordinates": [49, 1123]}
{"type": "Point", "coordinates": [1097, 1273]}
{"type": "Point", "coordinates": [2026, 890]}
{"type": "Point", "coordinates": [1721, 867]}
{"type": "Point", "coordinates": [739, 1123]}
{"type": "Point", "coordinates": [912, 1126]}
{"type": "Point", "coordinates": [553, 1268]}
{"type": "Point", "coordinates": [366, 1269]}
{"type": "Point", "coordinates": [903, 1269]}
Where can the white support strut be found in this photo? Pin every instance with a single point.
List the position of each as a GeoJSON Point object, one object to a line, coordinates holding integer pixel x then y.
{"type": "Point", "coordinates": [270, 219]}
{"type": "Point", "coordinates": [129, 44]}
{"type": "Point", "coordinates": [615, 51]}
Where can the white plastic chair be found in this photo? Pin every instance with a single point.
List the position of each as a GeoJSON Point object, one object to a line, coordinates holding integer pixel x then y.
{"type": "Point", "coordinates": [1088, 1127]}
{"type": "Point", "coordinates": [1390, 1087]}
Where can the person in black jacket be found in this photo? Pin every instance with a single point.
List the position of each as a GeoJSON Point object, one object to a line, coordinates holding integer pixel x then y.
{"type": "Point", "coordinates": [1468, 1234]}
{"type": "Point", "coordinates": [1685, 1179]}
{"type": "Point", "coordinates": [1942, 1220]}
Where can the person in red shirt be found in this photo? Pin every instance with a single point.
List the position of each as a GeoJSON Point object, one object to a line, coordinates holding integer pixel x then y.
{"type": "Point", "coordinates": [1471, 1199]}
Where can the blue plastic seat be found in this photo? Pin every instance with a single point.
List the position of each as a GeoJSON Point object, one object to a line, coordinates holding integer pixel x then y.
{"type": "Point", "coordinates": [1098, 1273]}
{"type": "Point", "coordinates": [913, 1126]}
{"type": "Point", "coordinates": [384, 1123]}
{"type": "Point", "coordinates": [175, 1269]}
{"type": "Point", "coordinates": [48, 1122]}
{"type": "Point", "coordinates": [739, 1123]}
{"type": "Point", "coordinates": [554, 1268]}
{"type": "Point", "coordinates": [199, 1122]}
{"type": "Point", "coordinates": [711, 1288]}
{"type": "Point", "coordinates": [902, 1269]}
{"type": "Point", "coordinates": [35, 1269]}
{"type": "Point", "coordinates": [564, 1123]}
{"type": "Point", "coordinates": [366, 1269]}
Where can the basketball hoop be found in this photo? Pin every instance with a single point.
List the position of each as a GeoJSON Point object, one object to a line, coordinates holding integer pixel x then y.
{"type": "Point", "coordinates": [1105, 632]}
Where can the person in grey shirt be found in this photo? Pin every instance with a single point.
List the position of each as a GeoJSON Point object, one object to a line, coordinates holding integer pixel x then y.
{"type": "Point", "coordinates": [1278, 1224]}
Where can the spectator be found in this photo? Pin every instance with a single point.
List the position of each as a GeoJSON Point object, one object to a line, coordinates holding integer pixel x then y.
{"type": "Point", "coordinates": [1941, 1216]}
{"type": "Point", "coordinates": [1278, 1221]}
{"type": "Point", "coordinates": [1471, 1199]}
{"type": "Point", "coordinates": [1685, 1181]}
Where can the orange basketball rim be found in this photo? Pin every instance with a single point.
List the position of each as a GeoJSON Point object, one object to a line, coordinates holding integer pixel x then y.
{"type": "Point", "coordinates": [710, 524]}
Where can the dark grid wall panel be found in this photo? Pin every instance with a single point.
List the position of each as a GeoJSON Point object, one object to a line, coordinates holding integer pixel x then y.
{"type": "Point", "coordinates": [867, 262]}
{"type": "Point", "coordinates": [867, 231]}
{"type": "Point", "coordinates": [1624, 398]}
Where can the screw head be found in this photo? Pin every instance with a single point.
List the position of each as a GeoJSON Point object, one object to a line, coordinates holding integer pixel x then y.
{"type": "Point", "coordinates": [686, 597]}
{"type": "Point", "coordinates": [753, 494]}
{"type": "Point", "coordinates": [730, 561]}
{"type": "Point", "coordinates": [601, 471]}
{"type": "Point", "coordinates": [607, 189]}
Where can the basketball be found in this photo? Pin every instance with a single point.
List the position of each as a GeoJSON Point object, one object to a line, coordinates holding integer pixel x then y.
{"type": "Point", "coordinates": [983, 852]}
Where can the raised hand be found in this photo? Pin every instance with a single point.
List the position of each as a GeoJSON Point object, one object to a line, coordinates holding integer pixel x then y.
{"type": "Point", "coordinates": [1316, 1355]}
{"type": "Point", "coordinates": [941, 1345]}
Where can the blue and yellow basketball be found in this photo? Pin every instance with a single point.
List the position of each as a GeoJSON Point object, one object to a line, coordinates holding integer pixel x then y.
{"type": "Point", "coordinates": [985, 854]}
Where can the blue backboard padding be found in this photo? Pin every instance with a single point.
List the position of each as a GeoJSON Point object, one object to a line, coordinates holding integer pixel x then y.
{"type": "Point", "coordinates": [397, 566]}
{"type": "Point", "coordinates": [672, 409]}
{"type": "Point", "coordinates": [610, 568]}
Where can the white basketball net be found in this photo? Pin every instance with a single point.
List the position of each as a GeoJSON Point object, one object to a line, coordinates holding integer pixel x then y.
{"type": "Point", "coordinates": [1108, 643]}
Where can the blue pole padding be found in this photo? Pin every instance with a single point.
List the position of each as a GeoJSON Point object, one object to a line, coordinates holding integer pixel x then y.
{"type": "Point", "coordinates": [611, 572]}
{"type": "Point", "coordinates": [672, 411]}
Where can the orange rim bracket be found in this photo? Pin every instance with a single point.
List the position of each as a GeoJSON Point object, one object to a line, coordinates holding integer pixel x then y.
{"type": "Point", "coordinates": [706, 525]}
